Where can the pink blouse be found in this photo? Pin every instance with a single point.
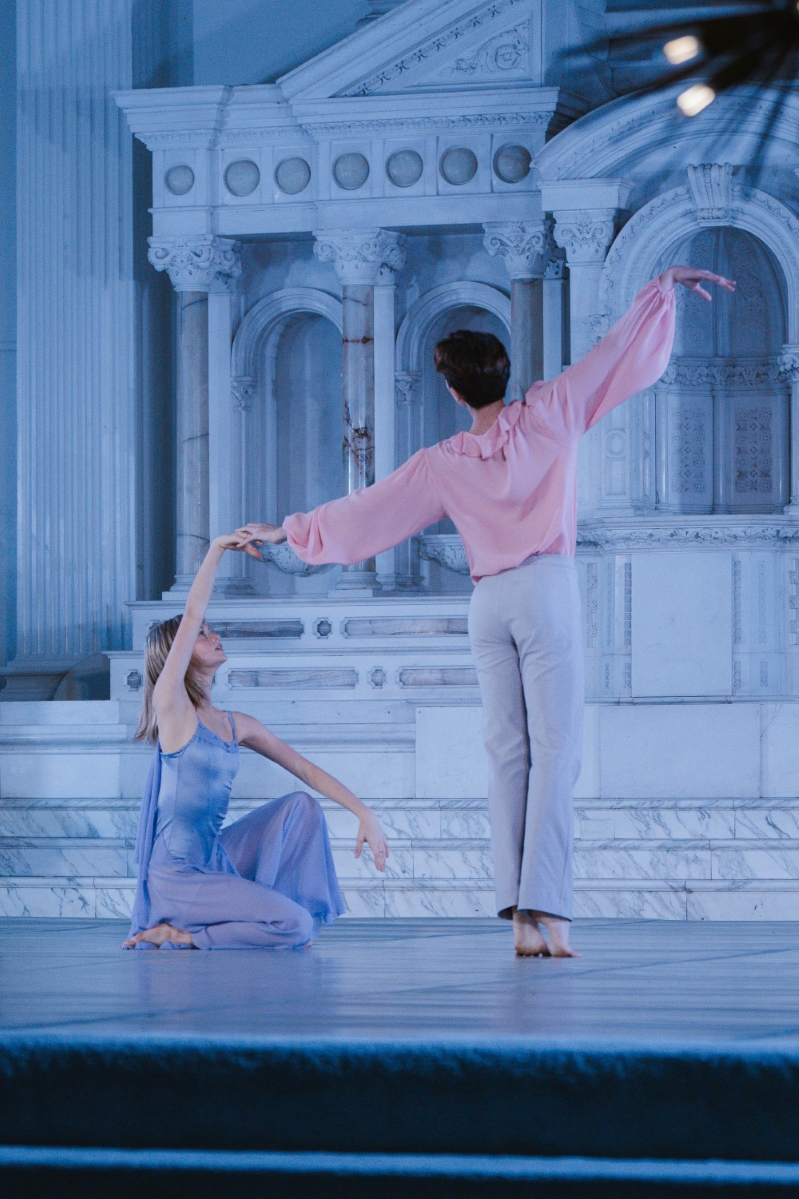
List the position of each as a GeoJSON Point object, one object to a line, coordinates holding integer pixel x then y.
{"type": "Point", "coordinates": [512, 491]}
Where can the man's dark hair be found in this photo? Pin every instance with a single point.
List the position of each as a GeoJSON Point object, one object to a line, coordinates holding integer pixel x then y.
{"type": "Point", "coordinates": [476, 365]}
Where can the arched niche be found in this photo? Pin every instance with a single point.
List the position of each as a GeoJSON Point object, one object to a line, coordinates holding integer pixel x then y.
{"type": "Point", "coordinates": [712, 435]}
{"type": "Point", "coordinates": [287, 377]}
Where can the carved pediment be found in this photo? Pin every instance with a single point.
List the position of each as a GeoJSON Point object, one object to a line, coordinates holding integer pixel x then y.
{"type": "Point", "coordinates": [425, 45]}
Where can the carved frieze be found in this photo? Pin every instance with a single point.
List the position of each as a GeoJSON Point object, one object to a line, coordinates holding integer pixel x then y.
{"type": "Point", "coordinates": [684, 536]}
{"type": "Point", "coordinates": [729, 372]}
{"type": "Point", "coordinates": [203, 263]}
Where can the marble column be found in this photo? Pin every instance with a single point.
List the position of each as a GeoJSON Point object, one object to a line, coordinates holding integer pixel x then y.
{"type": "Point", "coordinates": [197, 266]}
{"type": "Point", "coordinates": [76, 319]}
{"type": "Point", "coordinates": [358, 257]}
{"type": "Point", "coordinates": [525, 248]}
{"type": "Point", "coordinates": [385, 406]}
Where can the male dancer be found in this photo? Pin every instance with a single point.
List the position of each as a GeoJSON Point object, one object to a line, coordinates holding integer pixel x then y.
{"type": "Point", "coordinates": [509, 485]}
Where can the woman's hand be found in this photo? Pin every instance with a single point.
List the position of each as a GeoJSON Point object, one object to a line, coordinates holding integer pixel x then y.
{"type": "Point", "coordinates": [369, 830]}
{"type": "Point", "coordinates": [692, 277]}
{"type": "Point", "coordinates": [252, 535]}
{"type": "Point", "coordinates": [227, 541]}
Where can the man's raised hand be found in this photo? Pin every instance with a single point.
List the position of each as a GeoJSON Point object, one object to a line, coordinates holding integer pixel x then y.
{"type": "Point", "coordinates": [693, 277]}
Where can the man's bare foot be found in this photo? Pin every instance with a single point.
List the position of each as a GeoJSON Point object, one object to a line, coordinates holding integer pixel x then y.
{"type": "Point", "coordinates": [527, 939]}
{"type": "Point", "coordinates": [558, 930]}
{"type": "Point", "coordinates": [159, 935]}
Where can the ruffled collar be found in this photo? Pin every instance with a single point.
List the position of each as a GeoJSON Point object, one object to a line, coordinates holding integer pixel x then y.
{"type": "Point", "coordinates": [487, 444]}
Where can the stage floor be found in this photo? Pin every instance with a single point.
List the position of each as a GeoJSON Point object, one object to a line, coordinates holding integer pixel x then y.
{"type": "Point", "coordinates": [641, 980]}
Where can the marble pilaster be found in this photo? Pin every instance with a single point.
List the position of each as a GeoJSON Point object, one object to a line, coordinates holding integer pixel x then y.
{"type": "Point", "coordinates": [789, 364]}
{"type": "Point", "coordinates": [525, 248]}
{"type": "Point", "coordinates": [76, 305]}
{"type": "Point", "coordinates": [358, 257]}
{"type": "Point", "coordinates": [202, 270]}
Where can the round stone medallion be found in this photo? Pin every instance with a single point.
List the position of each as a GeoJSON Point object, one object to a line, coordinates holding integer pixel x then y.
{"type": "Point", "coordinates": [404, 168]}
{"type": "Point", "coordinates": [179, 179]}
{"type": "Point", "coordinates": [459, 165]}
{"type": "Point", "coordinates": [292, 175]}
{"type": "Point", "coordinates": [512, 163]}
{"type": "Point", "coordinates": [351, 171]}
{"type": "Point", "coordinates": [242, 178]}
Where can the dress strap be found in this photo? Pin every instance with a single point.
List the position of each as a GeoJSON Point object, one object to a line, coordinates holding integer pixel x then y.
{"type": "Point", "coordinates": [232, 725]}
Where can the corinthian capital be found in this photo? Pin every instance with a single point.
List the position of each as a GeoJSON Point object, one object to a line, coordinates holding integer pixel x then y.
{"type": "Point", "coordinates": [203, 263]}
{"type": "Point", "coordinates": [585, 235]}
{"type": "Point", "coordinates": [525, 246]}
{"type": "Point", "coordinates": [359, 255]}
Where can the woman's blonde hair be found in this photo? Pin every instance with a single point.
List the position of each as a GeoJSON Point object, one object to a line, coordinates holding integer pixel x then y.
{"type": "Point", "coordinates": [156, 650]}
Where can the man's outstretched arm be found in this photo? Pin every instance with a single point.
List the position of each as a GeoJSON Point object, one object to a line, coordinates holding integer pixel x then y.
{"type": "Point", "coordinates": [362, 524]}
{"type": "Point", "coordinates": [632, 356]}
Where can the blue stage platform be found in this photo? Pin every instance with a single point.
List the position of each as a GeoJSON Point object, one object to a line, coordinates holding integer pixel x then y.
{"type": "Point", "coordinates": [402, 1058]}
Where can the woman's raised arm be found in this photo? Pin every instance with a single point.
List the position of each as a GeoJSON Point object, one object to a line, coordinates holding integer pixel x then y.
{"type": "Point", "coordinates": [169, 693]}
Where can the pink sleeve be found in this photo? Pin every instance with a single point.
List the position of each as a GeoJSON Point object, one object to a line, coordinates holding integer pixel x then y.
{"type": "Point", "coordinates": [368, 521]}
{"type": "Point", "coordinates": [632, 356]}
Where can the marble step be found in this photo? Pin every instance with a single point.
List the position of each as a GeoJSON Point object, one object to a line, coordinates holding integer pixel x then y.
{"type": "Point", "coordinates": [595, 820]}
{"type": "Point", "coordinates": [650, 899]}
{"type": "Point", "coordinates": [451, 858]}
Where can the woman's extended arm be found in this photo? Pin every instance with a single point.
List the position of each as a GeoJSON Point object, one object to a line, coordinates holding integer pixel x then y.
{"type": "Point", "coordinates": [173, 708]}
{"type": "Point", "coordinates": [252, 734]}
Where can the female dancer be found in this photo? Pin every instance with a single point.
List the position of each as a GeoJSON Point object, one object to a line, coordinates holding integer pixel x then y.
{"type": "Point", "coordinates": [266, 881]}
{"type": "Point", "coordinates": [509, 485]}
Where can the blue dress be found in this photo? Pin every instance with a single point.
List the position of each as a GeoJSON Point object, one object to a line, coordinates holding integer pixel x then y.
{"type": "Point", "coordinates": [265, 882]}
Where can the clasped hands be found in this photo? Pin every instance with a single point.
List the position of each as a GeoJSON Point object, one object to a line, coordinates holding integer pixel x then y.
{"type": "Point", "coordinates": [248, 538]}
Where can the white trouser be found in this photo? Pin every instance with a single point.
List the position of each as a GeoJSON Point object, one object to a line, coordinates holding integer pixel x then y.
{"type": "Point", "coordinates": [525, 632]}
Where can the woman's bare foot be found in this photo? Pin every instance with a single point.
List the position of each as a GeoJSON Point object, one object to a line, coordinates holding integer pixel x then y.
{"type": "Point", "coordinates": [160, 935]}
{"type": "Point", "coordinates": [558, 930]}
{"type": "Point", "coordinates": [527, 939]}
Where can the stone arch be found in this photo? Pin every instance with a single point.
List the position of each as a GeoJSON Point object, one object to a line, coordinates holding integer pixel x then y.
{"type": "Point", "coordinates": [672, 216]}
{"type": "Point", "coordinates": [273, 309]}
{"type": "Point", "coordinates": [435, 303]}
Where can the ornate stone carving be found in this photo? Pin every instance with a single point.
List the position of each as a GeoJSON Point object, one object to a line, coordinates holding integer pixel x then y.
{"type": "Point", "coordinates": [524, 245]}
{"type": "Point", "coordinates": [242, 392]}
{"type": "Point", "coordinates": [203, 263]}
{"type": "Point", "coordinates": [729, 372]}
{"type": "Point", "coordinates": [689, 468]}
{"type": "Point", "coordinates": [446, 549]}
{"type": "Point", "coordinates": [585, 235]}
{"type": "Point", "coordinates": [710, 186]}
{"type": "Point", "coordinates": [788, 362]}
{"type": "Point", "coordinates": [504, 55]}
{"type": "Point", "coordinates": [284, 558]}
{"type": "Point", "coordinates": [432, 47]}
{"type": "Point", "coordinates": [534, 118]}
{"type": "Point", "coordinates": [555, 267]}
{"type": "Point", "coordinates": [623, 538]}
{"type": "Point", "coordinates": [753, 450]}
{"type": "Point", "coordinates": [408, 385]}
{"type": "Point", "coordinates": [358, 254]}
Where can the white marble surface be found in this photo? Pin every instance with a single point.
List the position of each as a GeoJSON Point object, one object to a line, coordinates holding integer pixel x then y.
{"type": "Point", "coordinates": [681, 624]}
{"type": "Point", "coordinates": [675, 751]}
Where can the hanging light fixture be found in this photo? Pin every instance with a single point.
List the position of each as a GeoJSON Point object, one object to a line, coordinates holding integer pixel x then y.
{"type": "Point", "coordinates": [758, 47]}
